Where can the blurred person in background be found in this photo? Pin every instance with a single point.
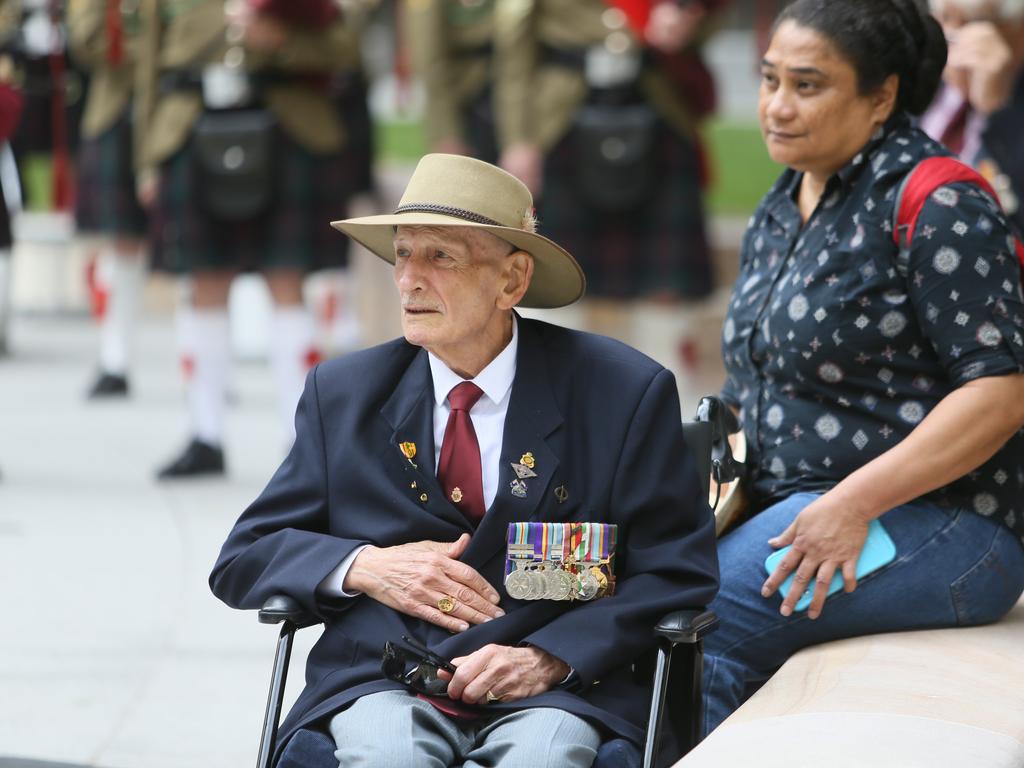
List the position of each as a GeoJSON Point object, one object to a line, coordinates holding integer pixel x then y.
{"type": "Point", "coordinates": [979, 110]}
{"type": "Point", "coordinates": [102, 36]}
{"type": "Point", "coordinates": [599, 105]}
{"type": "Point", "coordinates": [11, 103]}
{"type": "Point", "coordinates": [52, 88]}
{"type": "Point", "coordinates": [242, 156]}
{"type": "Point", "coordinates": [872, 383]}
{"type": "Point", "coordinates": [450, 44]}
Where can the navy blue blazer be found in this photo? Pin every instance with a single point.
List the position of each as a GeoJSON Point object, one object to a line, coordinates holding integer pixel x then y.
{"type": "Point", "coordinates": [600, 418]}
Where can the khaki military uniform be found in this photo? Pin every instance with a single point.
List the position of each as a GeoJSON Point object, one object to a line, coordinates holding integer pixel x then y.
{"type": "Point", "coordinates": [105, 201]}
{"type": "Point", "coordinates": [450, 46]}
{"type": "Point", "coordinates": [311, 172]}
{"type": "Point", "coordinates": [110, 84]}
{"type": "Point", "coordinates": [551, 57]}
{"type": "Point", "coordinates": [180, 35]}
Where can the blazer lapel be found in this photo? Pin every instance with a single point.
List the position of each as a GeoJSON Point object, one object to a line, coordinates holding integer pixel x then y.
{"type": "Point", "coordinates": [532, 417]}
{"type": "Point", "coordinates": [410, 413]}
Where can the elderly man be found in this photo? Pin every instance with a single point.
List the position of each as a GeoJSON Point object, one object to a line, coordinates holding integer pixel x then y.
{"type": "Point", "coordinates": [979, 112]}
{"type": "Point", "coordinates": [513, 496]}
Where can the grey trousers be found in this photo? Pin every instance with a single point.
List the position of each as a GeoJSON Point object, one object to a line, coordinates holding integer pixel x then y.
{"type": "Point", "coordinates": [394, 729]}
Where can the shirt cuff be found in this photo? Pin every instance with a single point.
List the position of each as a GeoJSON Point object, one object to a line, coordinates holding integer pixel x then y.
{"type": "Point", "coordinates": [333, 583]}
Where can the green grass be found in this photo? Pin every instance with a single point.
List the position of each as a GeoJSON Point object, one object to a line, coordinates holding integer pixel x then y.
{"type": "Point", "coordinates": [37, 179]}
{"type": "Point", "coordinates": [740, 167]}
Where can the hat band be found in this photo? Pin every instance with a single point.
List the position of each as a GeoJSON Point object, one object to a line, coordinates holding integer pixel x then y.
{"type": "Point", "coordinates": [448, 210]}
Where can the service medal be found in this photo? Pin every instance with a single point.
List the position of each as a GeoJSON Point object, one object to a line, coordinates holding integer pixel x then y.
{"type": "Point", "coordinates": [537, 585]}
{"type": "Point", "coordinates": [561, 585]}
{"type": "Point", "coordinates": [587, 586]}
{"type": "Point", "coordinates": [517, 583]}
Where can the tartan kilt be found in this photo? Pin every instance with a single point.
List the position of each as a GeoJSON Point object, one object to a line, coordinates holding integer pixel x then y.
{"type": "Point", "coordinates": [658, 247]}
{"type": "Point", "coordinates": [105, 200]}
{"type": "Point", "coordinates": [310, 191]}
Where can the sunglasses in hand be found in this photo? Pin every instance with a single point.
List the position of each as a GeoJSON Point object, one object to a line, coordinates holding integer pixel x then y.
{"type": "Point", "coordinates": [415, 666]}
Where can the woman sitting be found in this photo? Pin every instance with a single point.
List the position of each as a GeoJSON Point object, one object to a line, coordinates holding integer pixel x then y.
{"type": "Point", "coordinates": [867, 388]}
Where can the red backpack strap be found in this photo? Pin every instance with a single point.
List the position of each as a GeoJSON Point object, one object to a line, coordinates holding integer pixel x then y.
{"type": "Point", "coordinates": [918, 185]}
{"type": "Point", "coordinates": [915, 189]}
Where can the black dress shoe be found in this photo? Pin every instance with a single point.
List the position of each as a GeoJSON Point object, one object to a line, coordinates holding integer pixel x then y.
{"type": "Point", "coordinates": [199, 459]}
{"type": "Point", "coordinates": [109, 385]}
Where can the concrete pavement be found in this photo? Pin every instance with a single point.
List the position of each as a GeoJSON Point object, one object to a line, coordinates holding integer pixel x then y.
{"type": "Point", "coordinates": [114, 652]}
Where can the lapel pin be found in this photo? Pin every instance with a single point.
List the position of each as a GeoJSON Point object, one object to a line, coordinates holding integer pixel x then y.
{"type": "Point", "coordinates": [523, 472]}
{"type": "Point", "coordinates": [527, 460]}
{"type": "Point", "coordinates": [408, 450]}
{"type": "Point", "coordinates": [456, 494]}
{"type": "Point", "coordinates": [423, 497]}
{"type": "Point", "coordinates": [561, 493]}
{"type": "Point", "coordinates": [518, 488]}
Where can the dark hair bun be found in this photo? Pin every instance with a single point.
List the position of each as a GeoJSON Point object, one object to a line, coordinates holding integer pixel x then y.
{"type": "Point", "coordinates": [922, 78]}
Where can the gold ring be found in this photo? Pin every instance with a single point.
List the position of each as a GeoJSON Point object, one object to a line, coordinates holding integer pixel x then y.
{"type": "Point", "coordinates": [446, 604]}
{"type": "Point", "coordinates": [491, 697]}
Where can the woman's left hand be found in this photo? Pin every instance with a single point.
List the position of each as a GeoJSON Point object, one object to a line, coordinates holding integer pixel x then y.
{"type": "Point", "coordinates": [826, 536]}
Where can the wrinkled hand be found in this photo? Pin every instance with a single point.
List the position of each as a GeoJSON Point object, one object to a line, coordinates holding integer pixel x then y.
{"type": "Point", "coordinates": [411, 578]}
{"type": "Point", "coordinates": [980, 63]}
{"type": "Point", "coordinates": [826, 537]}
{"type": "Point", "coordinates": [525, 162]}
{"type": "Point", "coordinates": [670, 28]}
{"type": "Point", "coordinates": [508, 673]}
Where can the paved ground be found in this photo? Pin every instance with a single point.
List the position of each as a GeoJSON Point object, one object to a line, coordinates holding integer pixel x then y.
{"type": "Point", "coordinates": [114, 652]}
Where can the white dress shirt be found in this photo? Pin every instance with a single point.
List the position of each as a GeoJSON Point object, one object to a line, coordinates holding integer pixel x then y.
{"type": "Point", "coordinates": [488, 417]}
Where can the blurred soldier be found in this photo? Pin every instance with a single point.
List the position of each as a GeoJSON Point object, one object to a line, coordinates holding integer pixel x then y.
{"type": "Point", "coordinates": [52, 88]}
{"type": "Point", "coordinates": [450, 43]}
{"type": "Point", "coordinates": [102, 39]}
{"type": "Point", "coordinates": [979, 110]}
{"type": "Point", "coordinates": [598, 109]}
{"type": "Point", "coordinates": [242, 160]}
{"type": "Point", "coordinates": [10, 112]}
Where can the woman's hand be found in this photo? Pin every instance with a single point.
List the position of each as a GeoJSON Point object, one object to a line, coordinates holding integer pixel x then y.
{"type": "Point", "coordinates": [828, 535]}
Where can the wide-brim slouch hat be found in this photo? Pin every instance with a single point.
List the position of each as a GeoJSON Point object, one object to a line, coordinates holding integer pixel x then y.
{"type": "Point", "coordinates": [458, 191]}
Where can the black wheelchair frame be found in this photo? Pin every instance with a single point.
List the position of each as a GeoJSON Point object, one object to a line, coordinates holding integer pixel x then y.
{"type": "Point", "coordinates": [676, 681]}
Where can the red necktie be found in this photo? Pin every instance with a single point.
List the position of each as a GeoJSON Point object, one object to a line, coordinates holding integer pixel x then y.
{"type": "Point", "coordinates": [459, 467]}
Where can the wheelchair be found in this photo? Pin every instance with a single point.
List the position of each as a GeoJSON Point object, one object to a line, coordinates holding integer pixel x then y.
{"type": "Point", "coordinates": [675, 665]}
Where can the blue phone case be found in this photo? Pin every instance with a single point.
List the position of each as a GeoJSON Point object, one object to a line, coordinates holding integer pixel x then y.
{"type": "Point", "coordinates": [878, 551]}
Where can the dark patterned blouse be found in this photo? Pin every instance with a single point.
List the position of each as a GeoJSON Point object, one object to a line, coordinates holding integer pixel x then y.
{"type": "Point", "coordinates": [834, 352]}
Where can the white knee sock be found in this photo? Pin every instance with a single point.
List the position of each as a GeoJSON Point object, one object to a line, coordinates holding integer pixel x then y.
{"type": "Point", "coordinates": [293, 352]}
{"type": "Point", "coordinates": [205, 341]}
{"type": "Point", "coordinates": [5, 296]}
{"type": "Point", "coordinates": [122, 277]}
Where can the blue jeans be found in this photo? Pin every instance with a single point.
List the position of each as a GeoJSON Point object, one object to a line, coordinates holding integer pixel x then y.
{"type": "Point", "coordinates": [953, 568]}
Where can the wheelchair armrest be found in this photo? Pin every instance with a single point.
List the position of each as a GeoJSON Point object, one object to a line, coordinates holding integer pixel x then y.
{"type": "Point", "coordinates": [686, 626]}
{"type": "Point", "coordinates": [280, 608]}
